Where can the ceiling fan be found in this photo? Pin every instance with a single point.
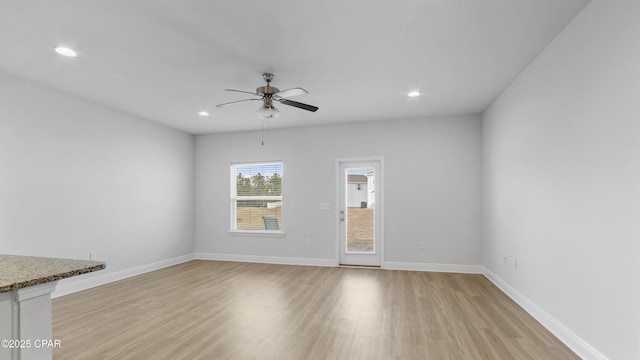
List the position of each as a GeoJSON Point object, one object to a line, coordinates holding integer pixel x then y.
{"type": "Point", "coordinates": [268, 94]}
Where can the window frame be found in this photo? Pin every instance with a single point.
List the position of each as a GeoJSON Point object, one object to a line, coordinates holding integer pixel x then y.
{"type": "Point", "coordinates": [234, 198]}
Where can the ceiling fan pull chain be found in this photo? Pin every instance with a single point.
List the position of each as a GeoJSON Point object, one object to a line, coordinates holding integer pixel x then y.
{"type": "Point", "coordinates": [263, 129]}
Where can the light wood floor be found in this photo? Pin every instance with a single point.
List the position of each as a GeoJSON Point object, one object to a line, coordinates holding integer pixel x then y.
{"type": "Point", "coordinates": [225, 310]}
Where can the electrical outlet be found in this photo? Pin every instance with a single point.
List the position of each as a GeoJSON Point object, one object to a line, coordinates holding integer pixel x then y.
{"type": "Point", "coordinates": [505, 259]}
{"type": "Point", "coordinates": [92, 255]}
{"type": "Point", "coordinates": [307, 242]}
{"type": "Point", "coordinates": [421, 245]}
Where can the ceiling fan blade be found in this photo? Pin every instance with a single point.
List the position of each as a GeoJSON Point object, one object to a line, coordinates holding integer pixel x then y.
{"type": "Point", "coordinates": [242, 91]}
{"type": "Point", "coordinates": [291, 92]}
{"type": "Point", "coordinates": [235, 102]}
{"type": "Point", "coordinates": [299, 105]}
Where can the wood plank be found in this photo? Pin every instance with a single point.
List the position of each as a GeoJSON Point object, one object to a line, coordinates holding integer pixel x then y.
{"type": "Point", "coordinates": [227, 310]}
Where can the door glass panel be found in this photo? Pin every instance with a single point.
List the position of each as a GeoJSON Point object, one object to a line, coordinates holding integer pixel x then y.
{"type": "Point", "coordinates": [360, 197]}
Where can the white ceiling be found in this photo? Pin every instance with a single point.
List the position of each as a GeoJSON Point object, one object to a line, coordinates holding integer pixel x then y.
{"type": "Point", "coordinates": [165, 60]}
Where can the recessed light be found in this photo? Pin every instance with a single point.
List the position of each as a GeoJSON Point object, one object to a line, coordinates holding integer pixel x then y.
{"type": "Point", "coordinates": [413, 94]}
{"type": "Point", "coordinates": [203, 113]}
{"type": "Point", "coordinates": [64, 51]}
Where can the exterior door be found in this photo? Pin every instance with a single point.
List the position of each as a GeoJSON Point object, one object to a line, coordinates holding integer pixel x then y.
{"type": "Point", "coordinates": [360, 212]}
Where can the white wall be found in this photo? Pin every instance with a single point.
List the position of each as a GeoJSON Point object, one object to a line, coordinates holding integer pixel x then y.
{"type": "Point", "coordinates": [432, 188]}
{"type": "Point", "coordinates": [562, 180]}
{"type": "Point", "coordinates": [78, 177]}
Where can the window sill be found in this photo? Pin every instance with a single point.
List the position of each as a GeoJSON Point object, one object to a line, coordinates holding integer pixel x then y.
{"type": "Point", "coordinates": [258, 233]}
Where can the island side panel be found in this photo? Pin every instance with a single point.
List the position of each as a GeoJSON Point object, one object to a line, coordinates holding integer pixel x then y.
{"type": "Point", "coordinates": [34, 318]}
{"type": "Point", "coordinates": [6, 323]}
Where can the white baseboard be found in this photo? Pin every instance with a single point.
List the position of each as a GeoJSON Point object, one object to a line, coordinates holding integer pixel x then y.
{"type": "Point", "coordinates": [266, 259]}
{"type": "Point", "coordinates": [573, 341]}
{"type": "Point", "coordinates": [88, 281]}
{"type": "Point", "coordinates": [388, 265]}
{"type": "Point", "coordinates": [449, 268]}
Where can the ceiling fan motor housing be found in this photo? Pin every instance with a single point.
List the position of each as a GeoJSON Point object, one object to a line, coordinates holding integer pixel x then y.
{"type": "Point", "coordinates": [267, 90]}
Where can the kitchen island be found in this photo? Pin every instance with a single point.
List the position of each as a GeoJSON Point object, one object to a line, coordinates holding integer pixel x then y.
{"type": "Point", "coordinates": [26, 284]}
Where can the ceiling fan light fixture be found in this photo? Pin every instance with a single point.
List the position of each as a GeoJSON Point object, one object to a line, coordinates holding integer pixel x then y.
{"type": "Point", "coordinates": [267, 111]}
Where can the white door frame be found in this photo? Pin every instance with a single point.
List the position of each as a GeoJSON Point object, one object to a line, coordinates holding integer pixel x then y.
{"type": "Point", "coordinates": [379, 205]}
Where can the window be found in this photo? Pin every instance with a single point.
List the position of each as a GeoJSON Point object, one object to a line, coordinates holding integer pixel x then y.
{"type": "Point", "coordinates": [256, 197]}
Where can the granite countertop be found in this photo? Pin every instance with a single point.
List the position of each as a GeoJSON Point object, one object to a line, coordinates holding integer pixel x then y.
{"type": "Point", "coordinates": [17, 272]}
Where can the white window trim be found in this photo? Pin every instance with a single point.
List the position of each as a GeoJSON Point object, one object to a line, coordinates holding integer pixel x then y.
{"type": "Point", "coordinates": [234, 198]}
{"type": "Point", "coordinates": [260, 233]}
